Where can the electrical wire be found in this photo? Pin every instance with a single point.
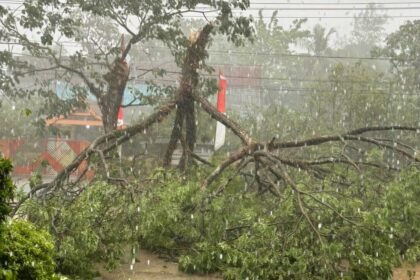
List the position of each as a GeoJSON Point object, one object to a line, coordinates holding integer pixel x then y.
{"type": "Point", "coordinates": [334, 4]}
{"type": "Point", "coordinates": [269, 78]}
{"type": "Point", "coordinates": [271, 54]}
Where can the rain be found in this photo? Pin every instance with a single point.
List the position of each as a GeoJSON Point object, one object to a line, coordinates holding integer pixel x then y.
{"type": "Point", "coordinates": [227, 139]}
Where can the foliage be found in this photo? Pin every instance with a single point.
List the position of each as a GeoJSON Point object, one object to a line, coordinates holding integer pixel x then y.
{"type": "Point", "coordinates": [96, 227]}
{"type": "Point", "coordinates": [320, 40]}
{"type": "Point", "coordinates": [400, 210]}
{"type": "Point", "coordinates": [367, 228]}
{"type": "Point", "coordinates": [355, 95]}
{"type": "Point", "coordinates": [25, 252]}
{"type": "Point", "coordinates": [368, 28]}
{"type": "Point", "coordinates": [6, 188]}
{"type": "Point", "coordinates": [348, 225]}
{"type": "Point", "coordinates": [246, 235]}
{"type": "Point", "coordinates": [403, 50]}
{"type": "Point", "coordinates": [173, 203]}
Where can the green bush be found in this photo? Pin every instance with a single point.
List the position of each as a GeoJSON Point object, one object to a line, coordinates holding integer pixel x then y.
{"type": "Point", "coordinates": [6, 188]}
{"type": "Point", "coordinates": [367, 228]}
{"type": "Point", "coordinates": [250, 236]}
{"type": "Point", "coordinates": [96, 227]}
{"type": "Point", "coordinates": [25, 252]}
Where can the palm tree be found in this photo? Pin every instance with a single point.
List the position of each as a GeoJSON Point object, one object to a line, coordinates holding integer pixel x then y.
{"type": "Point", "coordinates": [320, 39]}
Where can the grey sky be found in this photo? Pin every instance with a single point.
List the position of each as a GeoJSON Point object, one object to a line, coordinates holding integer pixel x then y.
{"type": "Point", "coordinates": [322, 12]}
{"type": "Point", "coordinates": [398, 12]}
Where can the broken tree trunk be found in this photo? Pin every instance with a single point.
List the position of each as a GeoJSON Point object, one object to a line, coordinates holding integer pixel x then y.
{"type": "Point", "coordinates": [185, 102]}
{"type": "Point", "coordinates": [110, 101]}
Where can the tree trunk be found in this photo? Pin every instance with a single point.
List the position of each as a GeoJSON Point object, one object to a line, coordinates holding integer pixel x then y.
{"type": "Point", "coordinates": [190, 135]}
{"type": "Point", "coordinates": [189, 81]}
{"type": "Point", "coordinates": [110, 102]}
{"type": "Point", "coordinates": [175, 136]}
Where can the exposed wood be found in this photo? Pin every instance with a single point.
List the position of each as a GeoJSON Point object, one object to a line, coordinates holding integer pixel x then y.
{"type": "Point", "coordinates": [185, 102]}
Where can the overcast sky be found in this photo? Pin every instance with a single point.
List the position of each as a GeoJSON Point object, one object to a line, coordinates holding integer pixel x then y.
{"type": "Point", "coordinates": [336, 14]}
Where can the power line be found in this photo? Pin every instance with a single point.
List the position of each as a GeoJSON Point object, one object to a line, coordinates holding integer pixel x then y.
{"type": "Point", "coordinates": [261, 54]}
{"type": "Point", "coordinates": [192, 17]}
{"type": "Point", "coordinates": [294, 90]}
{"type": "Point", "coordinates": [264, 78]}
{"type": "Point", "coordinates": [272, 78]}
{"type": "Point", "coordinates": [335, 4]}
{"type": "Point", "coordinates": [296, 3]}
{"type": "Point", "coordinates": [308, 8]}
{"type": "Point", "coordinates": [302, 55]}
{"type": "Point", "coordinates": [329, 8]}
{"type": "Point", "coordinates": [312, 17]}
{"type": "Point", "coordinates": [305, 91]}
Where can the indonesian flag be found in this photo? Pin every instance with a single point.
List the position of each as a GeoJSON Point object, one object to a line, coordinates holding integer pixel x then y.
{"type": "Point", "coordinates": [120, 118]}
{"type": "Point", "coordinates": [221, 107]}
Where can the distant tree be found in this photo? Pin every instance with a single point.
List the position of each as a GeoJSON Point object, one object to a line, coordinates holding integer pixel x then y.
{"type": "Point", "coordinates": [369, 27]}
{"type": "Point", "coordinates": [404, 51]}
{"type": "Point", "coordinates": [320, 40]}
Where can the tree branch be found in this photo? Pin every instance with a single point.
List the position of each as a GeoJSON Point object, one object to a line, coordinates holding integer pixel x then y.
{"type": "Point", "coordinates": [120, 136]}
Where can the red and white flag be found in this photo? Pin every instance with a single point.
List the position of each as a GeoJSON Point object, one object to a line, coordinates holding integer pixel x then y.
{"type": "Point", "coordinates": [120, 118]}
{"type": "Point", "coordinates": [221, 107]}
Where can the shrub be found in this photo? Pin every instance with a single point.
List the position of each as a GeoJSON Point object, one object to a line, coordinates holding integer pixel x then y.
{"type": "Point", "coordinates": [25, 252]}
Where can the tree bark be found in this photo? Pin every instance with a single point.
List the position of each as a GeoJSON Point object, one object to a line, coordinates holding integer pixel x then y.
{"type": "Point", "coordinates": [189, 82]}
{"type": "Point", "coordinates": [110, 102]}
{"type": "Point", "coordinates": [175, 136]}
